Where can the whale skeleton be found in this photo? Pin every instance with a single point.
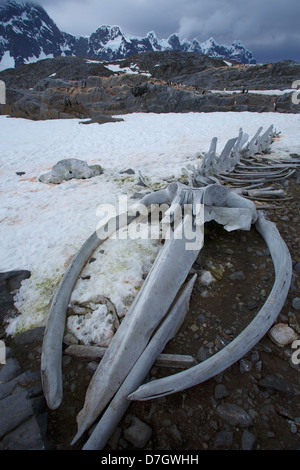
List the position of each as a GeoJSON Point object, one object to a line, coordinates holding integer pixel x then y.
{"type": "Point", "coordinates": [147, 327]}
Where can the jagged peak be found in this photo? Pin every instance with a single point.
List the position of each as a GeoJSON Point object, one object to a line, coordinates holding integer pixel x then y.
{"type": "Point", "coordinates": [210, 42]}
{"type": "Point", "coordinates": [238, 43]}
{"type": "Point", "coordinates": [151, 34]}
{"type": "Point", "coordinates": [195, 41]}
{"type": "Point", "coordinates": [107, 42]}
{"type": "Point", "coordinates": [17, 3]}
{"type": "Point", "coordinates": [114, 29]}
{"type": "Point", "coordinates": [174, 36]}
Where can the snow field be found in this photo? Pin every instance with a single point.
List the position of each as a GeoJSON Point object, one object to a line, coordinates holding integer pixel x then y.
{"type": "Point", "coordinates": [42, 226]}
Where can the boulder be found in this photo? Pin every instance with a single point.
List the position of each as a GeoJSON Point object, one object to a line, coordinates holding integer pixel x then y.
{"type": "Point", "coordinates": [100, 118]}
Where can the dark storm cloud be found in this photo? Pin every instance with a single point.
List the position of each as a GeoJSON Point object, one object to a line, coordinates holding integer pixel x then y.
{"type": "Point", "coordinates": [269, 28]}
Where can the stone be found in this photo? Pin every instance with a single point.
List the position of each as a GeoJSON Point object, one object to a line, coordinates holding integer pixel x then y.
{"type": "Point", "coordinates": [223, 439]}
{"type": "Point", "coordinates": [129, 171]}
{"type": "Point", "coordinates": [234, 415]}
{"type": "Point", "coordinates": [202, 354]}
{"type": "Point", "coordinates": [245, 365]}
{"type": "Point", "coordinates": [297, 267]}
{"type": "Point", "coordinates": [8, 388]}
{"type": "Point", "coordinates": [29, 337]}
{"type": "Point", "coordinates": [138, 434]}
{"type": "Point", "coordinates": [294, 322]}
{"type": "Point", "coordinates": [293, 428]}
{"type": "Point", "coordinates": [248, 440]}
{"type": "Point", "coordinates": [252, 305]}
{"type": "Point", "coordinates": [272, 382]}
{"type": "Point", "coordinates": [221, 391]}
{"type": "Point", "coordinates": [296, 303]}
{"type": "Point", "coordinates": [175, 433]}
{"type": "Point", "coordinates": [10, 282]}
{"type": "Point", "coordinates": [26, 437]}
{"type": "Point", "coordinates": [14, 410]}
{"type": "Point", "coordinates": [10, 370]}
{"type": "Point", "coordinates": [237, 276]}
{"type": "Point", "coordinates": [100, 118]}
{"type": "Point", "coordinates": [281, 334]}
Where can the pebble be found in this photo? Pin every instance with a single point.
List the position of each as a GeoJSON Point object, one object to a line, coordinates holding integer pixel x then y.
{"type": "Point", "coordinates": [234, 415]}
{"type": "Point", "coordinates": [245, 365]}
{"type": "Point", "coordinates": [248, 440]}
{"type": "Point", "coordinates": [293, 322]}
{"type": "Point", "coordinates": [237, 276]}
{"type": "Point", "coordinates": [275, 383]}
{"type": "Point", "coordinates": [252, 305]}
{"type": "Point", "coordinates": [296, 303]}
{"type": "Point", "coordinates": [293, 428]}
{"type": "Point", "coordinates": [281, 334]}
{"type": "Point", "coordinates": [138, 434]}
{"type": "Point", "coordinates": [175, 433]}
{"type": "Point", "coordinates": [202, 354]}
{"type": "Point", "coordinates": [129, 171]}
{"type": "Point", "coordinates": [213, 425]}
{"type": "Point", "coordinates": [220, 391]}
{"type": "Point", "coordinates": [223, 439]}
{"type": "Point", "coordinates": [297, 267]}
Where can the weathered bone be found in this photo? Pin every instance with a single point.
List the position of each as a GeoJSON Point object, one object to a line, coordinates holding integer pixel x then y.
{"type": "Point", "coordinates": [95, 353]}
{"type": "Point", "coordinates": [52, 343]}
{"type": "Point", "coordinates": [119, 404]}
{"type": "Point", "coordinates": [234, 153]}
{"type": "Point", "coordinates": [132, 350]}
{"type": "Point", "coordinates": [247, 338]}
{"type": "Point", "coordinates": [167, 274]}
{"type": "Point", "coordinates": [51, 359]}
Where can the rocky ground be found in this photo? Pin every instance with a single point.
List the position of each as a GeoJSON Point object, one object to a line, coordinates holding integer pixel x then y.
{"type": "Point", "coordinates": [252, 405]}
{"type": "Point", "coordinates": [66, 87]}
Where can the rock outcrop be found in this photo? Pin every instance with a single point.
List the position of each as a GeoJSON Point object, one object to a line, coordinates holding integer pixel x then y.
{"type": "Point", "coordinates": [159, 82]}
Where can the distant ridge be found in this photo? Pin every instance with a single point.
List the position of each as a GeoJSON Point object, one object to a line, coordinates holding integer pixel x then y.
{"type": "Point", "coordinates": [28, 34]}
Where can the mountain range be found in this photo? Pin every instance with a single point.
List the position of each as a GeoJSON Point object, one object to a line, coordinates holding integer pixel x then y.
{"type": "Point", "coordinates": [28, 34]}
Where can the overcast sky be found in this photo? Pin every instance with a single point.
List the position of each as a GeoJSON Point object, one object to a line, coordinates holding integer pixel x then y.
{"type": "Point", "coordinates": [269, 28]}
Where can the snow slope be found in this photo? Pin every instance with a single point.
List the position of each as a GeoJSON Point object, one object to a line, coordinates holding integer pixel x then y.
{"type": "Point", "coordinates": [42, 226]}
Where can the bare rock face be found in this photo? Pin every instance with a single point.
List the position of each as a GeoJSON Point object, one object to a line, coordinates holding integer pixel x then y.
{"type": "Point", "coordinates": [68, 169]}
{"type": "Point", "coordinates": [158, 82]}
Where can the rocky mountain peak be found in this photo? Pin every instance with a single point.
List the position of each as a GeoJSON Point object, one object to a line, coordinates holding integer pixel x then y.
{"type": "Point", "coordinates": [28, 34]}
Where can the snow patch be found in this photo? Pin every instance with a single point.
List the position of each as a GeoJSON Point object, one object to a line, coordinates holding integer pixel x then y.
{"type": "Point", "coordinates": [44, 225]}
{"type": "Point", "coordinates": [133, 69]}
{"type": "Point", "coordinates": [7, 61]}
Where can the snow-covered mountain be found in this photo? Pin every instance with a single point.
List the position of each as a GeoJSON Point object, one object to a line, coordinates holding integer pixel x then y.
{"type": "Point", "coordinates": [28, 34]}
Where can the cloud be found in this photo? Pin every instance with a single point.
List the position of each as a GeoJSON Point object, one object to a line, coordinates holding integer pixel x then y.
{"type": "Point", "coordinates": [264, 26]}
